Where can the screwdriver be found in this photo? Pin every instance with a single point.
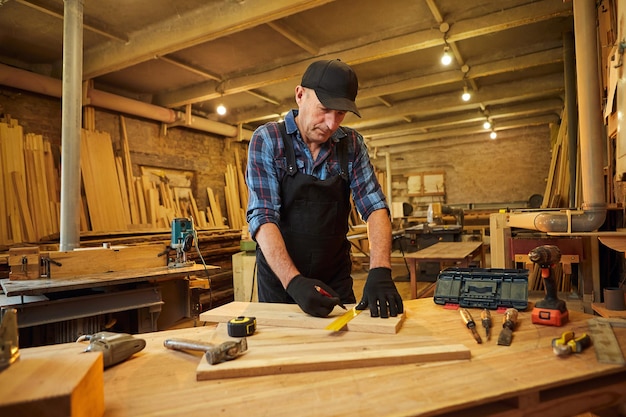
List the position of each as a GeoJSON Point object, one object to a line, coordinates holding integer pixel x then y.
{"type": "Point", "coordinates": [486, 318]}
{"type": "Point", "coordinates": [469, 322]}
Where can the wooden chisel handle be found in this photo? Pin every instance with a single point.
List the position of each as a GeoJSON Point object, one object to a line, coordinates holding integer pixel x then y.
{"type": "Point", "coordinates": [510, 318]}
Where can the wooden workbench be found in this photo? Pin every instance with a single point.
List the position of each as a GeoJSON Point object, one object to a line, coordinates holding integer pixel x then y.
{"type": "Point", "coordinates": [46, 286]}
{"type": "Point", "coordinates": [443, 252]}
{"type": "Point", "coordinates": [524, 379]}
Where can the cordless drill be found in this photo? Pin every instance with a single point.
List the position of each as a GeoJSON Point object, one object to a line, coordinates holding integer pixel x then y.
{"type": "Point", "coordinates": [550, 311]}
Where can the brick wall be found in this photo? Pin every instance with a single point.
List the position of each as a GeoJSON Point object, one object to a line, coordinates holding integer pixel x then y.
{"type": "Point", "coordinates": [478, 169]}
{"type": "Point", "coordinates": [181, 148]}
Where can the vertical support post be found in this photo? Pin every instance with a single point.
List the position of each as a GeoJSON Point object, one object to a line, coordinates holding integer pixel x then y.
{"type": "Point", "coordinates": [71, 123]}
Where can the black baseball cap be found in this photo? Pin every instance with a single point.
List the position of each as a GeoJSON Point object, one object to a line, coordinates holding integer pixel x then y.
{"type": "Point", "coordinates": [334, 83]}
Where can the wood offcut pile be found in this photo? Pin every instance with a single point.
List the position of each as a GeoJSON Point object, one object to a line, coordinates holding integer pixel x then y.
{"type": "Point", "coordinates": [562, 278]}
{"type": "Point", "coordinates": [112, 198]}
{"type": "Point", "coordinates": [557, 190]}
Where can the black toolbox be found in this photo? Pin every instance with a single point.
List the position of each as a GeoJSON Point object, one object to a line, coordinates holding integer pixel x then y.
{"type": "Point", "coordinates": [490, 288]}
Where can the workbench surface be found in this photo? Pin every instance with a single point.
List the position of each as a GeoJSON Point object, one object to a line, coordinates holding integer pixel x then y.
{"type": "Point", "coordinates": [525, 378]}
{"type": "Point", "coordinates": [50, 285]}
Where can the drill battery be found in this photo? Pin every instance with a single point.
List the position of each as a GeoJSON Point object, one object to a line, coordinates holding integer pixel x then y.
{"type": "Point", "coordinates": [549, 316]}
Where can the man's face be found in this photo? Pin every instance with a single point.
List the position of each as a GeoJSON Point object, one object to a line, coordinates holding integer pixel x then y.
{"type": "Point", "coordinates": [316, 122]}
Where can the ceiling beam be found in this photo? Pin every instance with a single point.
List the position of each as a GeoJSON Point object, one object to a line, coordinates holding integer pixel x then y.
{"type": "Point", "coordinates": [434, 105]}
{"type": "Point", "coordinates": [209, 22]}
{"type": "Point", "coordinates": [407, 82]}
{"type": "Point", "coordinates": [295, 37]}
{"type": "Point", "coordinates": [536, 107]}
{"type": "Point", "coordinates": [390, 145]}
{"type": "Point", "coordinates": [88, 22]}
{"type": "Point", "coordinates": [370, 51]}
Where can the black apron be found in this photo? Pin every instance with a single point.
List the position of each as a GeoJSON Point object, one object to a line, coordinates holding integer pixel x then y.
{"type": "Point", "coordinates": [314, 224]}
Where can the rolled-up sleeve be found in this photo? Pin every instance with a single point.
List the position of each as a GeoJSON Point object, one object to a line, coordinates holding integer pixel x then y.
{"type": "Point", "coordinates": [262, 179]}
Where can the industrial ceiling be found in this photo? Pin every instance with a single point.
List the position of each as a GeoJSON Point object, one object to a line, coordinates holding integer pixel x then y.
{"type": "Point", "coordinates": [249, 55]}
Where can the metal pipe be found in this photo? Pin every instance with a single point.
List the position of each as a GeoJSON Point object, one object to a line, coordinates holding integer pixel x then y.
{"type": "Point", "coordinates": [36, 83]}
{"type": "Point", "coordinates": [593, 209]}
{"type": "Point", "coordinates": [125, 105]}
{"type": "Point", "coordinates": [569, 65]}
{"type": "Point", "coordinates": [212, 126]}
{"type": "Point", "coordinates": [71, 124]}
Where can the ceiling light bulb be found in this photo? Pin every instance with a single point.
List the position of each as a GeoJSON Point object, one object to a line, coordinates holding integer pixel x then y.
{"type": "Point", "coordinates": [221, 110]}
{"type": "Point", "coordinates": [446, 58]}
{"type": "Point", "coordinates": [493, 134]}
{"type": "Point", "coordinates": [466, 95]}
{"type": "Point", "coordinates": [487, 125]}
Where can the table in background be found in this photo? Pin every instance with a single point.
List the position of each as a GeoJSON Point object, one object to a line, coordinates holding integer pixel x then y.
{"type": "Point", "coordinates": [458, 252]}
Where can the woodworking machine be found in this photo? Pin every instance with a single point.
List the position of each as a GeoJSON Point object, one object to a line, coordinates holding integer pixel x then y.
{"type": "Point", "coordinates": [183, 234]}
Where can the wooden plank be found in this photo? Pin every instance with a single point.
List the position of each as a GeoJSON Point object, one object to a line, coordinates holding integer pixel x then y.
{"type": "Point", "coordinates": [24, 210]}
{"type": "Point", "coordinates": [218, 219]}
{"type": "Point", "coordinates": [40, 167]}
{"type": "Point", "coordinates": [290, 315]}
{"type": "Point", "coordinates": [101, 260]}
{"type": "Point", "coordinates": [13, 158]}
{"type": "Point", "coordinates": [101, 185]}
{"type": "Point", "coordinates": [46, 286]}
{"type": "Point", "coordinates": [241, 182]}
{"type": "Point", "coordinates": [53, 384]}
{"type": "Point", "coordinates": [128, 170]}
{"type": "Point", "coordinates": [123, 191]}
{"type": "Point", "coordinates": [308, 357]}
{"type": "Point", "coordinates": [4, 201]}
{"type": "Point", "coordinates": [141, 201]}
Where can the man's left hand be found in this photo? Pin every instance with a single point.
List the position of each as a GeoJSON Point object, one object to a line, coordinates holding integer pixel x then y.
{"type": "Point", "coordinates": [381, 295]}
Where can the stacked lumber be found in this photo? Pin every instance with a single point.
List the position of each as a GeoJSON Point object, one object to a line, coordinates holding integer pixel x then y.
{"type": "Point", "coordinates": [556, 194]}
{"type": "Point", "coordinates": [562, 278]}
{"type": "Point", "coordinates": [112, 199]}
{"type": "Point", "coordinates": [236, 193]}
{"type": "Point", "coordinates": [29, 190]}
{"type": "Point", "coordinates": [101, 182]}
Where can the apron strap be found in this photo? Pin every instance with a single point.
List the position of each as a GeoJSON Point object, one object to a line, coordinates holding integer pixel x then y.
{"type": "Point", "coordinates": [291, 154]}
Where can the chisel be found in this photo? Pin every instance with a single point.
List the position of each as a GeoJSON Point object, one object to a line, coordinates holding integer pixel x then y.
{"type": "Point", "coordinates": [508, 325]}
{"type": "Point", "coordinates": [486, 320]}
{"type": "Point", "coordinates": [469, 322]}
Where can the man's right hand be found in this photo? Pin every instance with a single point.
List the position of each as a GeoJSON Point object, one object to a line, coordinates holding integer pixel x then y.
{"type": "Point", "coordinates": [310, 300]}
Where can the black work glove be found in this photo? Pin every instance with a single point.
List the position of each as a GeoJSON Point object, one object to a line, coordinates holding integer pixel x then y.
{"type": "Point", "coordinates": [381, 295]}
{"type": "Point", "coordinates": [310, 300]}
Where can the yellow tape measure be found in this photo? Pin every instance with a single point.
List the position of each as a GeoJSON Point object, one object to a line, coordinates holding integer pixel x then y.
{"type": "Point", "coordinates": [342, 320]}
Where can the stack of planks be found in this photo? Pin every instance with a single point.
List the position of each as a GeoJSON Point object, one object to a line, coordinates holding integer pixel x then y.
{"type": "Point", "coordinates": [29, 190]}
{"type": "Point", "coordinates": [562, 279]}
{"type": "Point", "coordinates": [113, 199]}
{"type": "Point", "coordinates": [149, 203]}
{"type": "Point", "coordinates": [236, 193]}
{"type": "Point", "coordinates": [556, 194]}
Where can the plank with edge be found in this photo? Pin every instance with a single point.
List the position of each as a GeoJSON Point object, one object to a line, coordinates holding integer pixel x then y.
{"type": "Point", "coordinates": [290, 315]}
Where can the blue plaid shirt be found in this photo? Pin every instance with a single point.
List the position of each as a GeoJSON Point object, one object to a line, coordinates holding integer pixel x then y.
{"type": "Point", "coordinates": [267, 166]}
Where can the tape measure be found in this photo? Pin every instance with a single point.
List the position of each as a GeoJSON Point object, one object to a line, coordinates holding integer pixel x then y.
{"type": "Point", "coordinates": [241, 326]}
